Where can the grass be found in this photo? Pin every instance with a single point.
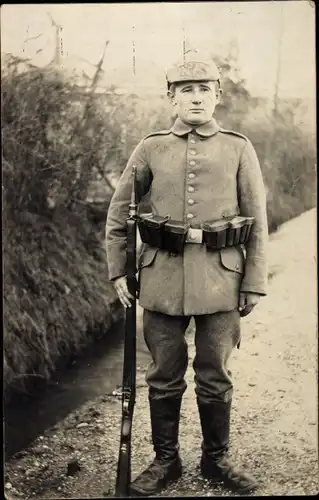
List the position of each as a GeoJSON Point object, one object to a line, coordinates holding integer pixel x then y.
{"type": "Point", "coordinates": [57, 297]}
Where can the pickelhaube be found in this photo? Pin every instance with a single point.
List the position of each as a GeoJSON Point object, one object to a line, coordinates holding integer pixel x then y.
{"type": "Point", "coordinates": [194, 67]}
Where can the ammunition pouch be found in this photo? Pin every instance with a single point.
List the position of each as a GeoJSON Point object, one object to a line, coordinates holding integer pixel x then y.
{"type": "Point", "coordinates": [151, 228]}
{"type": "Point", "coordinates": [175, 233]}
{"type": "Point", "coordinates": [162, 232]}
{"type": "Point", "coordinates": [172, 235]}
{"type": "Point", "coordinates": [227, 232]}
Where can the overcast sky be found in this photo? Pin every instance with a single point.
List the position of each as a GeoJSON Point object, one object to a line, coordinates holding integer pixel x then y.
{"type": "Point", "coordinates": [157, 29]}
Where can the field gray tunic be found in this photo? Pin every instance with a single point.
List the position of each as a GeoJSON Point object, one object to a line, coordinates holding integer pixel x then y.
{"type": "Point", "coordinates": [193, 175]}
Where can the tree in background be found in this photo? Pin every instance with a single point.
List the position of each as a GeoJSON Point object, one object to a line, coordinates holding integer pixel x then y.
{"type": "Point", "coordinates": [236, 100]}
{"type": "Point", "coordinates": [286, 146]}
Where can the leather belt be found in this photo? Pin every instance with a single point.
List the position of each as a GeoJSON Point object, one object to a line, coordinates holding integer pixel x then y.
{"type": "Point", "coordinates": [172, 235]}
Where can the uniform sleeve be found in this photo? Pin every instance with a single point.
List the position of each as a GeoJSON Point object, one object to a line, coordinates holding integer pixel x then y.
{"type": "Point", "coordinates": [116, 228]}
{"type": "Point", "coordinates": [252, 202]}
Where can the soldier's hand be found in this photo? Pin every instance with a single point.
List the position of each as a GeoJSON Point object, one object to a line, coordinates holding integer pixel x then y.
{"type": "Point", "coordinates": [124, 295]}
{"type": "Point", "coordinates": [247, 302]}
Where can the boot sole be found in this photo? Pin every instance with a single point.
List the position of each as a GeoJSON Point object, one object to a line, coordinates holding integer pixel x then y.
{"type": "Point", "coordinates": [240, 491]}
{"type": "Point", "coordinates": [218, 481]}
{"type": "Point", "coordinates": [136, 492]}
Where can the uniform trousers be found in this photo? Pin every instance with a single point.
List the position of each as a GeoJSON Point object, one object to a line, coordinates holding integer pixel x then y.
{"type": "Point", "coordinates": [216, 336]}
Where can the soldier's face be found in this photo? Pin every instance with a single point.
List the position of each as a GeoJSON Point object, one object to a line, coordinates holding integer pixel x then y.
{"type": "Point", "coordinates": [195, 102]}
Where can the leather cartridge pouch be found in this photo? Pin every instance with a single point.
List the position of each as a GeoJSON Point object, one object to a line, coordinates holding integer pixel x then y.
{"type": "Point", "coordinates": [227, 232]}
{"type": "Point", "coordinates": [215, 234]}
{"type": "Point", "coordinates": [175, 233]}
{"type": "Point", "coordinates": [237, 226]}
{"type": "Point", "coordinates": [151, 228]}
{"type": "Point", "coordinates": [246, 229]}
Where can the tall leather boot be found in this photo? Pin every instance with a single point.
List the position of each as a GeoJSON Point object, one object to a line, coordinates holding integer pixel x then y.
{"type": "Point", "coordinates": [167, 465]}
{"type": "Point", "coordinates": [215, 463]}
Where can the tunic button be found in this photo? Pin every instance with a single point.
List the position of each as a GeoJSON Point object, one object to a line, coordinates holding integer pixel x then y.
{"type": "Point", "coordinates": [191, 176]}
{"type": "Point", "coordinates": [190, 216]}
{"type": "Point", "coordinates": [191, 202]}
{"type": "Point", "coordinates": [237, 267]}
{"type": "Point", "coordinates": [190, 189]}
{"type": "Point", "coordinates": [193, 141]}
{"type": "Point", "coordinates": [192, 163]}
{"type": "Point", "coordinates": [192, 152]}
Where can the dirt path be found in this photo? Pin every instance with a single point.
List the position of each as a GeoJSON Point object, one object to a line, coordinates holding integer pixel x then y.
{"type": "Point", "coordinates": [274, 420]}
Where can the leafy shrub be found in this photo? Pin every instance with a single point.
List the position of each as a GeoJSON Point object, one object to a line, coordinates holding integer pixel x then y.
{"type": "Point", "coordinates": [57, 297]}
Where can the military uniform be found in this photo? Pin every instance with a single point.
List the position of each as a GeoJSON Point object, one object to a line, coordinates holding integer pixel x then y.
{"type": "Point", "coordinates": [193, 174]}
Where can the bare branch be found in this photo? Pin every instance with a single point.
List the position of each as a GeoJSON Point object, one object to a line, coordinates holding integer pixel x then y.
{"type": "Point", "coordinates": [32, 38]}
{"type": "Point", "coordinates": [294, 185]}
{"type": "Point", "coordinates": [99, 66]}
{"type": "Point", "coordinates": [104, 176]}
{"type": "Point", "coordinates": [53, 21]}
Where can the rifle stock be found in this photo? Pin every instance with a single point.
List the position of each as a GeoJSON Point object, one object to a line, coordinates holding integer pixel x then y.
{"type": "Point", "coordinates": [129, 364]}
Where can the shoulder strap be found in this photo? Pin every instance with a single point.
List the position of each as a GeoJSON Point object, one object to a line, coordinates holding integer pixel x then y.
{"type": "Point", "coordinates": [233, 133]}
{"type": "Point", "coordinates": [160, 132]}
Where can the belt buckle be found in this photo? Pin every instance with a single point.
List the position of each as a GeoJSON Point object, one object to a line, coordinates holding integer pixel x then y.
{"type": "Point", "coordinates": [194, 235]}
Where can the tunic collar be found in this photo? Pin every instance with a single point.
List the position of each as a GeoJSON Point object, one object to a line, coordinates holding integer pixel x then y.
{"type": "Point", "coordinates": [207, 130]}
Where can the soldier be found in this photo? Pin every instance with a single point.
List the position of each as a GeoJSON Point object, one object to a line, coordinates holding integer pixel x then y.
{"type": "Point", "coordinates": [196, 172]}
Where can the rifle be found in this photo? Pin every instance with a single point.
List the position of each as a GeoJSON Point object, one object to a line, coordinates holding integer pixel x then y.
{"type": "Point", "coordinates": [129, 365]}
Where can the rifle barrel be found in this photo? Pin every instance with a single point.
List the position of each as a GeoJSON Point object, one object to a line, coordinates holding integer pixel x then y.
{"type": "Point", "coordinates": [129, 363]}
